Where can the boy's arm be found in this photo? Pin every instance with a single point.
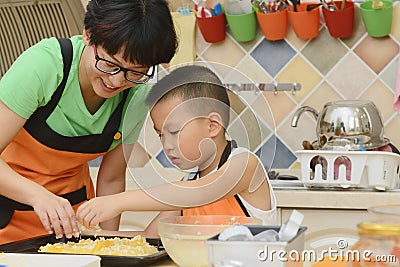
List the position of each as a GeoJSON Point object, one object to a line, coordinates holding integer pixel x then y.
{"type": "Point", "coordinates": [151, 230]}
{"type": "Point", "coordinates": [111, 180]}
{"type": "Point", "coordinates": [232, 178]}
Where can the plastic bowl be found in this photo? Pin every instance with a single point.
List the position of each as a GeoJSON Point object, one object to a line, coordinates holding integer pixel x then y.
{"type": "Point", "coordinates": [386, 213]}
{"type": "Point", "coordinates": [184, 237]}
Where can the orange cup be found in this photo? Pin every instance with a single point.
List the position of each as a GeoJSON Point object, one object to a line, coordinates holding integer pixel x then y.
{"type": "Point", "coordinates": [340, 22]}
{"type": "Point", "coordinates": [304, 23]}
{"type": "Point", "coordinates": [273, 25]}
{"type": "Point", "coordinates": [213, 28]}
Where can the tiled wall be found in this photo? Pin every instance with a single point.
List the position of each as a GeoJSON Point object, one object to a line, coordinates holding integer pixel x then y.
{"type": "Point", "coordinates": [358, 67]}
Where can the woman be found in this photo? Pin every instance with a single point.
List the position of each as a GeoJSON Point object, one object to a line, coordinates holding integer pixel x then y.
{"type": "Point", "coordinates": [58, 115]}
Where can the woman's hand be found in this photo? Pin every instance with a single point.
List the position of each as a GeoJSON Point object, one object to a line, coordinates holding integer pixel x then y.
{"type": "Point", "coordinates": [97, 210]}
{"type": "Point", "coordinates": [56, 215]}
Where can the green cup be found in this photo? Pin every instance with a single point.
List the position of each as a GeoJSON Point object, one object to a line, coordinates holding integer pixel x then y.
{"type": "Point", "coordinates": [377, 22]}
{"type": "Point", "coordinates": [243, 27]}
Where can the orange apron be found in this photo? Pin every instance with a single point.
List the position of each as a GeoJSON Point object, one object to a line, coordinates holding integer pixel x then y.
{"type": "Point", "coordinates": [229, 206]}
{"type": "Point", "coordinates": [58, 163]}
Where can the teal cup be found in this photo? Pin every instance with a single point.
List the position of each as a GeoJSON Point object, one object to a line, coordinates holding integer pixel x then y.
{"type": "Point", "coordinates": [377, 22]}
{"type": "Point", "coordinates": [243, 27]}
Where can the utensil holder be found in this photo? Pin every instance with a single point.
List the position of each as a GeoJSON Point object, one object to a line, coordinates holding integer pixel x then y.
{"type": "Point", "coordinates": [213, 28]}
{"type": "Point", "coordinates": [273, 25]}
{"type": "Point", "coordinates": [340, 22]}
{"type": "Point", "coordinates": [377, 22]}
{"type": "Point", "coordinates": [243, 27]}
{"type": "Point", "coordinates": [304, 23]}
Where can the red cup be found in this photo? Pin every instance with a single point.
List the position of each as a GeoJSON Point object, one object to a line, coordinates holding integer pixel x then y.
{"type": "Point", "coordinates": [213, 28]}
{"type": "Point", "coordinates": [273, 25]}
{"type": "Point", "coordinates": [340, 22]}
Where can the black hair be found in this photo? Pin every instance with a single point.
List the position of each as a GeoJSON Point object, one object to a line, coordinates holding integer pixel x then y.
{"type": "Point", "coordinates": [143, 28]}
{"type": "Point", "coordinates": [193, 82]}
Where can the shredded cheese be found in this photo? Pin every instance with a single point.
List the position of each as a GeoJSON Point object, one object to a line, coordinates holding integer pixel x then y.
{"type": "Point", "coordinates": [137, 246]}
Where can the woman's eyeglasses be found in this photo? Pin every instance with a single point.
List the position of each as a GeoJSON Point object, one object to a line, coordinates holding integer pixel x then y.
{"type": "Point", "coordinates": [111, 68]}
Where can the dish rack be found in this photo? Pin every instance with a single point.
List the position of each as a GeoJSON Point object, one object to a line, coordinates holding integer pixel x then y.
{"type": "Point", "coordinates": [350, 169]}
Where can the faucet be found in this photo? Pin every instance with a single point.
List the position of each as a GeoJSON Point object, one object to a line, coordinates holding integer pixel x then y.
{"type": "Point", "coordinates": [300, 111]}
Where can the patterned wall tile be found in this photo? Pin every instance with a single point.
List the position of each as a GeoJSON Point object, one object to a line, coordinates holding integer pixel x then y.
{"type": "Point", "coordinates": [248, 46]}
{"type": "Point", "coordinates": [392, 131]}
{"type": "Point", "coordinates": [273, 109]}
{"type": "Point", "coordinates": [274, 154]}
{"type": "Point", "coordinates": [343, 76]}
{"type": "Point", "coordinates": [139, 157]}
{"type": "Point", "coordinates": [389, 74]}
{"type": "Point", "coordinates": [164, 160]}
{"type": "Point", "coordinates": [248, 130]}
{"type": "Point", "coordinates": [330, 51]}
{"type": "Point", "coordinates": [385, 97]}
{"type": "Point", "coordinates": [257, 73]}
{"type": "Point", "coordinates": [148, 138]}
{"type": "Point", "coordinates": [201, 44]}
{"type": "Point", "coordinates": [324, 93]}
{"type": "Point", "coordinates": [300, 71]}
{"type": "Point", "coordinates": [292, 39]}
{"type": "Point", "coordinates": [236, 104]}
{"type": "Point", "coordinates": [328, 69]}
{"type": "Point", "coordinates": [377, 53]}
{"type": "Point", "coordinates": [273, 55]}
{"type": "Point", "coordinates": [227, 53]}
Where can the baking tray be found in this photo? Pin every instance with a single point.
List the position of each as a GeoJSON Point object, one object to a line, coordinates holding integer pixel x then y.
{"type": "Point", "coordinates": [32, 246]}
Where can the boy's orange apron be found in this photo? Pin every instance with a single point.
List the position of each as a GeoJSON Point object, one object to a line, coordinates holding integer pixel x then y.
{"type": "Point", "coordinates": [229, 206]}
{"type": "Point", "coordinates": [59, 163]}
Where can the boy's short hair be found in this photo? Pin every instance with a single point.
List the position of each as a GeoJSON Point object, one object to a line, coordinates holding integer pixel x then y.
{"type": "Point", "coordinates": [143, 28]}
{"type": "Point", "coordinates": [193, 82]}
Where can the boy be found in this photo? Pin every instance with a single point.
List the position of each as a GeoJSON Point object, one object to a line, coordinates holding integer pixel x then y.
{"type": "Point", "coordinates": [190, 111]}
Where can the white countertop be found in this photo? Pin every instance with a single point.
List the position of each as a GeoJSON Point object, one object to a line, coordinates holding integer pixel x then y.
{"type": "Point", "coordinates": [334, 199]}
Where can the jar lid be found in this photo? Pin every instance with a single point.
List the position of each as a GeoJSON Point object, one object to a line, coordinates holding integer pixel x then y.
{"type": "Point", "coordinates": [379, 228]}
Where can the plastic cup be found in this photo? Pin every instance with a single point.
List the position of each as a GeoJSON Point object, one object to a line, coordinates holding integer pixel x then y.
{"type": "Point", "coordinates": [304, 23]}
{"type": "Point", "coordinates": [340, 22]}
{"type": "Point", "coordinates": [273, 25]}
{"type": "Point", "coordinates": [377, 22]}
{"type": "Point", "coordinates": [212, 28]}
{"type": "Point", "coordinates": [243, 27]}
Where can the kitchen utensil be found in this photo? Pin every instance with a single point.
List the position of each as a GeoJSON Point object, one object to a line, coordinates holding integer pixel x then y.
{"type": "Point", "coordinates": [378, 4]}
{"type": "Point", "coordinates": [357, 121]}
{"type": "Point", "coordinates": [256, 253]}
{"type": "Point", "coordinates": [312, 6]}
{"type": "Point", "coordinates": [32, 246]}
{"type": "Point", "coordinates": [184, 236]}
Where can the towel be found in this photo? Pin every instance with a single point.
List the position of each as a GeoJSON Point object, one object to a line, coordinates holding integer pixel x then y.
{"type": "Point", "coordinates": [185, 27]}
{"type": "Point", "coordinates": [397, 93]}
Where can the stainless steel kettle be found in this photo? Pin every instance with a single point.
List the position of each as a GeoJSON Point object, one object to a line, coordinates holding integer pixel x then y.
{"type": "Point", "coordinates": [354, 122]}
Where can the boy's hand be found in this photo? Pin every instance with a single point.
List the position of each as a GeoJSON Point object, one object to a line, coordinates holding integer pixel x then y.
{"type": "Point", "coordinates": [97, 210]}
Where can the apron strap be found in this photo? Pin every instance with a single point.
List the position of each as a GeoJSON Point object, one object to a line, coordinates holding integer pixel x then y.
{"type": "Point", "coordinates": [7, 205]}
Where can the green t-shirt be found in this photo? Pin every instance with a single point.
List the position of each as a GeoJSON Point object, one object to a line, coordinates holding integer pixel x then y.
{"type": "Point", "coordinates": [34, 77]}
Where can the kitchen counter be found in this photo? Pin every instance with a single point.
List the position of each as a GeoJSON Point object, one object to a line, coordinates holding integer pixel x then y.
{"type": "Point", "coordinates": [334, 199]}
